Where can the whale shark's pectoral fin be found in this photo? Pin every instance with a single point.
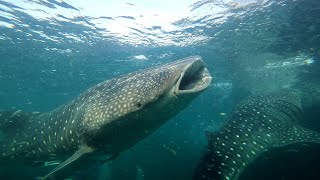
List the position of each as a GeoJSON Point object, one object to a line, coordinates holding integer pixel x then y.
{"type": "Point", "coordinates": [299, 134]}
{"type": "Point", "coordinates": [83, 150]}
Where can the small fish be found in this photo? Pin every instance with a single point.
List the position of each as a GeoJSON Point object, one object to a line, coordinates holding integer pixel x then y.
{"type": "Point", "coordinates": [256, 125]}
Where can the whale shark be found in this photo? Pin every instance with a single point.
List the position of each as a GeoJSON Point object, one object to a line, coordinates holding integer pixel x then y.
{"type": "Point", "coordinates": [258, 124]}
{"type": "Point", "coordinates": [106, 119]}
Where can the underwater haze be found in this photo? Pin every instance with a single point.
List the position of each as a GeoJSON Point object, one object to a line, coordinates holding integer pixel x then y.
{"type": "Point", "coordinates": [52, 50]}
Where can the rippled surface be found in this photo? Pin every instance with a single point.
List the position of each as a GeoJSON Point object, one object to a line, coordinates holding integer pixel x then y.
{"type": "Point", "coordinates": [147, 23]}
{"type": "Point", "coordinates": [63, 26]}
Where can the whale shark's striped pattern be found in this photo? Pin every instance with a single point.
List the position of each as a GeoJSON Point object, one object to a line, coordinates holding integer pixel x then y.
{"type": "Point", "coordinates": [257, 124]}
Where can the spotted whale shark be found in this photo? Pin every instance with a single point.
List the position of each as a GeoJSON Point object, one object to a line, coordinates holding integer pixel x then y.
{"type": "Point", "coordinates": [257, 124]}
{"type": "Point", "coordinates": [108, 118]}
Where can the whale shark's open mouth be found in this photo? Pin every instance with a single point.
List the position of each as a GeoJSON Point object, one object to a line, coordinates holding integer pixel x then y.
{"type": "Point", "coordinates": [195, 77]}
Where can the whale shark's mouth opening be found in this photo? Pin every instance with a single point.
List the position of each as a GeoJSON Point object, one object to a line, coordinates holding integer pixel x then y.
{"type": "Point", "coordinates": [194, 78]}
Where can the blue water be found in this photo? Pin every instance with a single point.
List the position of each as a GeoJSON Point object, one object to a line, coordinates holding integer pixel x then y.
{"type": "Point", "coordinates": [51, 51]}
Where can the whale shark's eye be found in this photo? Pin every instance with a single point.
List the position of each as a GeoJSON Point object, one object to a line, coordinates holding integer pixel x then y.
{"type": "Point", "coordinates": [138, 105]}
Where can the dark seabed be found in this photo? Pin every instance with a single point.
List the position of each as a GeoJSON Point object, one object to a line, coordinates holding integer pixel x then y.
{"type": "Point", "coordinates": [52, 50]}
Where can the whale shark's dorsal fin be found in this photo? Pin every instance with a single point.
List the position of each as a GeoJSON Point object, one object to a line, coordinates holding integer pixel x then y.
{"type": "Point", "coordinates": [13, 121]}
{"type": "Point", "coordinates": [83, 150]}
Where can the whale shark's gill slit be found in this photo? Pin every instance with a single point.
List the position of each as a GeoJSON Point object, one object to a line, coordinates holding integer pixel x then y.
{"type": "Point", "coordinates": [289, 109]}
{"type": "Point", "coordinates": [192, 77]}
{"type": "Point", "coordinates": [296, 110]}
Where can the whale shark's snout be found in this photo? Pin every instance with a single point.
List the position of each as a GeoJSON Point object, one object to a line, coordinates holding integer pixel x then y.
{"type": "Point", "coordinates": [194, 77]}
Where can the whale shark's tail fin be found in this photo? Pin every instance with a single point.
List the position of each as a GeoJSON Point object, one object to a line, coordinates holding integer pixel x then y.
{"type": "Point", "coordinates": [12, 127]}
{"type": "Point", "coordinates": [11, 122]}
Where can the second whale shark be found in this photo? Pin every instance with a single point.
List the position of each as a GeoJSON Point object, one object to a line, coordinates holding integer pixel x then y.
{"type": "Point", "coordinates": [257, 124]}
